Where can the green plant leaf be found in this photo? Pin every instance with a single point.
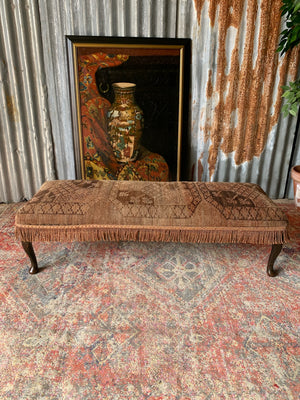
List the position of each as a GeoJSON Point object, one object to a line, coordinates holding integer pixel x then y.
{"type": "Point", "coordinates": [289, 38]}
{"type": "Point", "coordinates": [294, 107]}
{"type": "Point", "coordinates": [297, 7]}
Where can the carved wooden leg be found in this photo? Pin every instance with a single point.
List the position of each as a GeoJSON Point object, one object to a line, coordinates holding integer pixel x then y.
{"type": "Point", "coordinates": [276, 249]}
{"type": "Point", "coordinates": [27, 246]}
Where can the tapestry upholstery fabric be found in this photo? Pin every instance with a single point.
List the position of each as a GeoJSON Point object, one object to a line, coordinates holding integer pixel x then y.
{"type": "Point", "coordinates": [85, 210]}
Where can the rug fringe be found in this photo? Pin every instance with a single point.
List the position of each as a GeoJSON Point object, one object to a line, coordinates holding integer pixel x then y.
{"type": "Point", "coordinates": [29, 233]}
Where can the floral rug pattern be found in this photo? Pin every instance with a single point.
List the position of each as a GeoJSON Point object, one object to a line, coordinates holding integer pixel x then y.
{"type": "Point", "coordinates": [148, 321]}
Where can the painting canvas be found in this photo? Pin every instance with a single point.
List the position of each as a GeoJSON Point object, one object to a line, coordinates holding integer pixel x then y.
{"type": "Point", "coordinates": [130, 105]}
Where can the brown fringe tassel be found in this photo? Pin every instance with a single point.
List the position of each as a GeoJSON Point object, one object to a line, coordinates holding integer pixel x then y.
{"type": "Point", "coordinates": [89, 233]}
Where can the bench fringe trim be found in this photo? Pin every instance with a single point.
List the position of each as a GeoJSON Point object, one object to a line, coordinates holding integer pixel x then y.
{"type": "Point", "coordinates": [88, 233]}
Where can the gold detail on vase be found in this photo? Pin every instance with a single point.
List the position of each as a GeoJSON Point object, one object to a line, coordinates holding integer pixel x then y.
{"type": "Point", "coordinates": [125, 123]}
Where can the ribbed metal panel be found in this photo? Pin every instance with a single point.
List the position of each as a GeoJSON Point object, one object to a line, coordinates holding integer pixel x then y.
{"type": "Point", "coordinates": [237, 132]}
{"type": "Point", "coordinates": [295, 161]}
{"type": "Point", "coordinates": [26, 153]}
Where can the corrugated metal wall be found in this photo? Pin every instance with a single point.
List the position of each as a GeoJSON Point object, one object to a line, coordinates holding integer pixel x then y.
{"type": "Point", "coordinates": [237, 131]}
{"type": "Point", "coordinates": [26, 149]}
{"type": "Point", "coordinates": [295, 160]}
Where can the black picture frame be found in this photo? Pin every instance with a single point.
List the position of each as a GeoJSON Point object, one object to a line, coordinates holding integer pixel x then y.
{"type": "Point", "coordinates": [160, 68]}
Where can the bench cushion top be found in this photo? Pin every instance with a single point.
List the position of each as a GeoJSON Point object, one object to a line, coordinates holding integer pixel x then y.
{"type": "Point", "coordinates": [84, 210]}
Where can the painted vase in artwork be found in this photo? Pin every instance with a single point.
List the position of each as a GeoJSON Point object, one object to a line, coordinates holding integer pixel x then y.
{"type": "Point", "coordinates": [125, 123]}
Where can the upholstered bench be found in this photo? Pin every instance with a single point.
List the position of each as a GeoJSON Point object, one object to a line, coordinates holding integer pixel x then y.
{"type": "Point", "coordinates": [79, 210]}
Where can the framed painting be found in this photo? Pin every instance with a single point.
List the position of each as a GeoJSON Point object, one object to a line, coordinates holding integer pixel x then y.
{"type": "Point", "coordinates": [130, 105]}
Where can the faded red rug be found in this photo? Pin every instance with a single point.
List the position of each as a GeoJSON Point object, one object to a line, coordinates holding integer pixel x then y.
{"type": "Point", "coordinates": [155, 321]}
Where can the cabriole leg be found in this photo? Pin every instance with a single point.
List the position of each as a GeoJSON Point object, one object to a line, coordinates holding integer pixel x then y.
{"type": "Point", "coordinates": [276, 249]}
{"type": "Point", "coordinates": [27, 246]}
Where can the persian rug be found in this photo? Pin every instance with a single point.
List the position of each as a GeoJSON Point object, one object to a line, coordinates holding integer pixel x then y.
{"type": "Point", "coordinates": [148, 321]}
